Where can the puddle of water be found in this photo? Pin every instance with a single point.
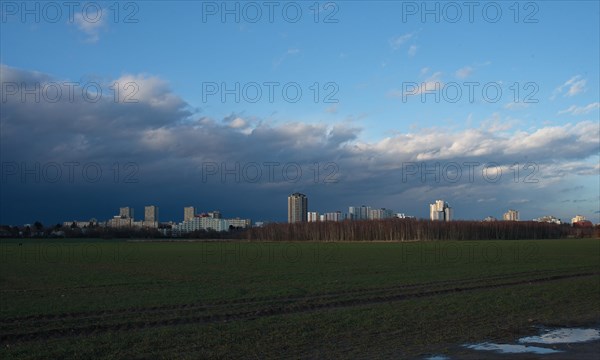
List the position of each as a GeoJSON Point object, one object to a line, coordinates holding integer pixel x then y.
{"type": "Point", "coordinates": [563, 336]}
{"type": "Point", "coordinates": [511, 349]}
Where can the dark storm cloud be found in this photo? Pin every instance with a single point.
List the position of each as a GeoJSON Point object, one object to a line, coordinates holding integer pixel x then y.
{"type": "Point", "coordinates": [183, 158]}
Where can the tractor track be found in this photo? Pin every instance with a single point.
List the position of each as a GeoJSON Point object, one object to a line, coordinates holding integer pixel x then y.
{"type": "Point", "coordinates": [261, 300]}
{"type": "Point", "coordinates": [225, 310]}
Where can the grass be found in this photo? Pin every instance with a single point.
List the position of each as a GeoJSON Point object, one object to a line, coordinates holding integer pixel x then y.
{"type": "Point", "coordinates": [115, 299]}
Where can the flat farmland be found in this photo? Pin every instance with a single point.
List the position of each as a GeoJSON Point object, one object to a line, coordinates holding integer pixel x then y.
{"type": "Point", "coordinates": [229, 299]}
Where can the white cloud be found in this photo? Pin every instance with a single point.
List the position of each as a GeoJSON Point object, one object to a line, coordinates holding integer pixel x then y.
{"type": "Point", "coordinates": [148, 89]}
{"type": "Point", "coordinates": [516, 105]}
{"type": "Point", "coordinates": [519, 201]}
{"type": "Point", "coordinates": [158, 139]}
{"type": "Point", "coordinates": [90, 24]}
{"type": "Point", "coordinates": [238, 123]}
{"type": "Point", "coordinates": [430, 84]}
{"type": "Point", "coordinates": [573, 86]}
{"type": "Point", "coordinates": [288, 53]}
{"type": "Point", "coordinates": [398, 41]}
{"type": "Point", "coordinates": [580, 110]}
{"type": "Point", "coordinates": [495, 123]}
{"type": "Point", "coordinates": [464, 72]}
{"type": "Point", "coordinates": [412, 50]}
{"type": "Point", "coordinates": [333, 109]}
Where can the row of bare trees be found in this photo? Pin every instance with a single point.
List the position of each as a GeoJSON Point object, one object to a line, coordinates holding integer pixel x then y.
{"type": "Point", "coordinates": [410, 230]}
{"type": "Point", "coordinates": [366, 230]}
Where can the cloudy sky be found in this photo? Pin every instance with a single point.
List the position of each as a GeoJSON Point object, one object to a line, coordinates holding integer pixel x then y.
{"type": "Point", "coordinates": [234, 105]}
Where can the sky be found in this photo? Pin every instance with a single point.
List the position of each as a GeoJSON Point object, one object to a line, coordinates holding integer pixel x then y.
{"type": "Point", "coordinates": [234, 105]}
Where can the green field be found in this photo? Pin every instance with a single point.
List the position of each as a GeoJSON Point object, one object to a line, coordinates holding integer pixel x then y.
{"type": "Point", "coordinates": [115, 299]}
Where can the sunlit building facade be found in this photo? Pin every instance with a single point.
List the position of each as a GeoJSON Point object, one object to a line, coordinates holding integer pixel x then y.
{"type": "Point", "coordinates": [297, 208]}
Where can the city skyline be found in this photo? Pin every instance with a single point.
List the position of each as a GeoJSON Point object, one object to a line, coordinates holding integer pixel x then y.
{"type": "Point", "coordinates": [439, 210]}
{"type": "Point", "coordinates": [408, 110]}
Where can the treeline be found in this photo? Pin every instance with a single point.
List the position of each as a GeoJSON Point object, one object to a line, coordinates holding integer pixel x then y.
{"type": "Point", "coordinates": [59, 231]}
{"type": "Point", "coordinates": [411, 230]}
{"type": "Point", "coordinates": [38, 230]}
{"type": "Point", "coordinates": [233, 233]}
{"type": "Point", "coordinates": [366, 230]}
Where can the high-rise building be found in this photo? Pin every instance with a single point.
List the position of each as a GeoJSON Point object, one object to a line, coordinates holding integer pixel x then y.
{"type": "Point", "coordinates": [209, 223]}
{"type": "Point", "coordinates": [297, 208]}
{"type": "Point", "coordinates": [380, 214]}
{"type": "Point", "coordinates": [549, 219]}
{"type": "Point", "coordinates": [126, 212]}
{"type": "Point", "coordinates": [334, 216]}
{"type": "Point", "coordinates": [440, 210]}
{"type": "Point", "coordinates": [216, 214]}
{"type": "Point", "coordinates": [238, 223]}
{"type": "Point", "coordinates": [120, 222]}
{"type": "Point", "coordinates": [364, 212]}
{"type": "Point", "coordinates": [359, 213]}
{"type": "Point", "coordinates": [151, 216]}
{"type": "Point", "coordinates": [577, 219]}
{"type": "Point", "coordinates": [353, 213]}
{"type": "Point", "coordinates": [188, 213]}
{"type": "Point", "coordinates": [312, 216]}
{"type": "Point", "coordinates": [511, 215]}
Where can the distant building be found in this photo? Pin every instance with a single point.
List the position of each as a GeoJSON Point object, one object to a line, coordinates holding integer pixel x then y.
{"type": "Point", "coordinates": [440, 211]}
{"type": "Point", "coordinates": [209, 223]}
{"type": "Point", "coordinates": [379, 214]}
{"type": "Point", "coordinates": [81, 224]}
{"type": "Point", "coordinates": [353, 213]}
{"type": "Point", "coordinates": [583, 224]}
{"type": "Point", "coordinates": [548, 219]}
{"type": "Point", "coordinates": [123, 220]}
{"type": "Point", "coordinates": [511, 215]}
{"type": "Point", "coordinates": [239, 223]}
{"type": "Point", "coordinates": [297, 208]}
{"type": "Point", "coordinates": [359, 212]}
{"type": "Point", "coordinates": [151, 216]}
{"type": "Point", "coordinates": [188, 213]}
{"type": "Point", "coordinates": [490, 218]}
{"type": "Point", "coordinates": [334, 216]}
{"type": "Point", "coordinates": [151, 213]}
{"type": "Point", "coordinates": [126, 212]}
{"type": "Point", "coordinates": [215, 214]}
{"type": "Point", "coordinates": [577, 218]}
{"type": "Point", "coordinates": [119, 221]}
{"type": "Point", "coordinates": [312, 216]}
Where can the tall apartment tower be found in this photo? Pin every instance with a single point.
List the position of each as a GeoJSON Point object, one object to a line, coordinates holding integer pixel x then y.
{"type": "Point", "coordinates": [188, 213]}
{"type": "Point", "coordinates": [577, 219]}
{"type": "Point", "coordinates": [126, 212]}
{"type": "Point", "coordinates": [151, 213]}
{"type": "Point", "coordinates": [511, 215]}
{"type": "Point", "coordinates": [440, 210]}
{"type": "Point", "coordinates": [297, 208]}
{"type": "Point", "coordinates": [359, 213]}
